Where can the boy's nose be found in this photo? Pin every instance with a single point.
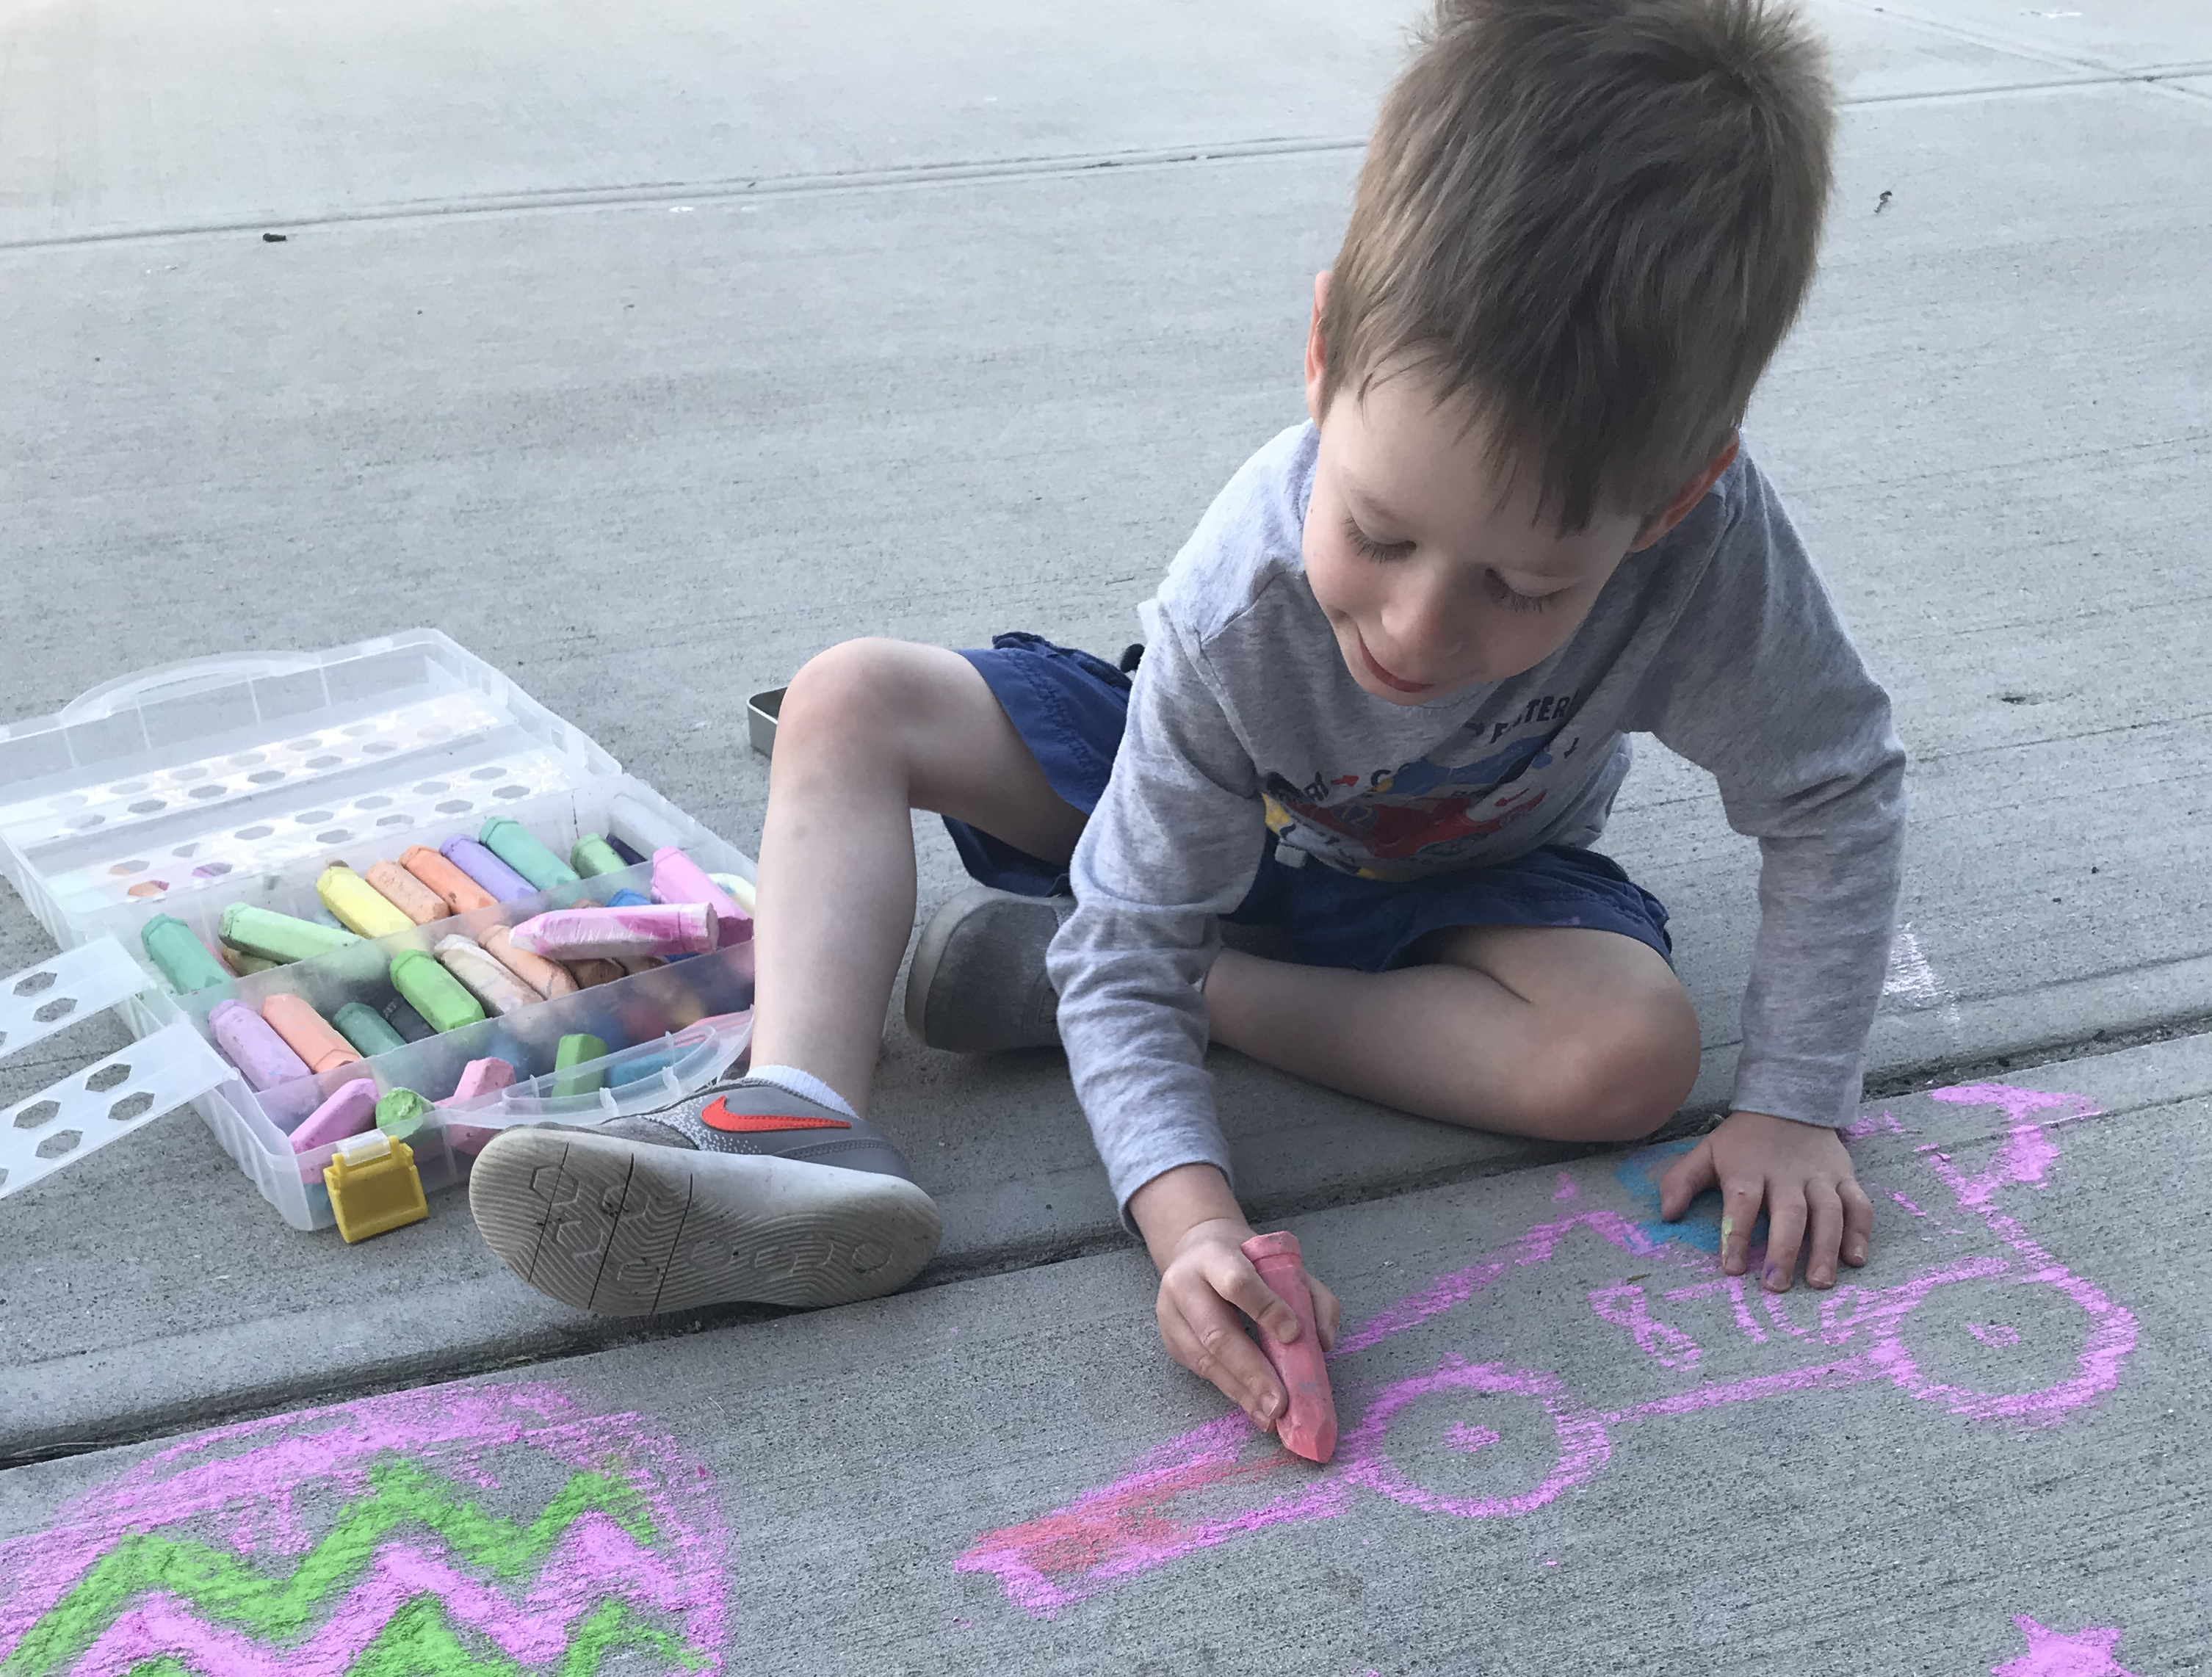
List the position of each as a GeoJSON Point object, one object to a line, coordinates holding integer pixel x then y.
{"type": "Point", "coordinates": [1425, 632]}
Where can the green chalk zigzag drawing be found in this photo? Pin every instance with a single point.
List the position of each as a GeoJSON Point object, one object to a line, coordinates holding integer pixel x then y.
{"type": "Point", "coordinates": [413, 1579]}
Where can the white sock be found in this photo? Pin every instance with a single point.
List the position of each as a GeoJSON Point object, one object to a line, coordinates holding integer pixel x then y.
{"type": "Point", "coordinates": [805, 1084]}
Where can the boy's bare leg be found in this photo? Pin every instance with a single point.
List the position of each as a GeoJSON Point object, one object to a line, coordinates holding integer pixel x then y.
{"type": "Point", "coordinates": [870, 730]}
{"type": "Point", "coordinates": [1565, 1033]}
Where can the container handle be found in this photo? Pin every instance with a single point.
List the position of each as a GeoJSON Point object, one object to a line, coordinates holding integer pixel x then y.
{"type": "Point", "coordinates": [188, 674]}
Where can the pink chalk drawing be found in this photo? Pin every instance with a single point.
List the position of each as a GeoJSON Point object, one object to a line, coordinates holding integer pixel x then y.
{"type": "Point", "coordinates": [357, 1539]}
{"type": "Point", "coordinates": [1224, 1481]}
{"type": "Point", "coordinates": [2087, 1653]}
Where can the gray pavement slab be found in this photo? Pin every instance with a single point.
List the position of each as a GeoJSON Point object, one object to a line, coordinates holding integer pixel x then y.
{"type": "Point", "coordinates": [944, 407]}
{"type": "Point", "coordinates": [1568, 1444]}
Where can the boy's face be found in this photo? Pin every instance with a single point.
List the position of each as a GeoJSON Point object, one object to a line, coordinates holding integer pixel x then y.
{"type": "Point", "coordinates": [1432, 577]}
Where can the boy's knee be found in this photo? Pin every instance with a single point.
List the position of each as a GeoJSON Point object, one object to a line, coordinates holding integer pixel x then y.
{"type": "Point", "coordinates": [851, 681]}
{"type": "Point", "coordinates": [1618, 1076]}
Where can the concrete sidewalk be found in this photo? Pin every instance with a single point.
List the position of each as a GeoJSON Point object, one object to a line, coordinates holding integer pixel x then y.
{"type": "Point", "coordinates": [1569, 1445]}
{"type": "Point", "coordinates": [764, 332]}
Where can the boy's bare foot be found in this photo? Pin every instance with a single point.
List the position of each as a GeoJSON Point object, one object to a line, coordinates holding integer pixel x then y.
{"type": "Point", "coordinates": [744, 1192]}
{"type": "Point", "coordinates": [978, 982]}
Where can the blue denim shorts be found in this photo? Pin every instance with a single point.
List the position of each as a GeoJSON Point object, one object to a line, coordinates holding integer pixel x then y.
{"type": "Point", "coordinates": [1069, 707]}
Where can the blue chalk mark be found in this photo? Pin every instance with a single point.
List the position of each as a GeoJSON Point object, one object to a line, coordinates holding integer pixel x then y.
{"type": "Point", "coordinates": [1701, 1226]}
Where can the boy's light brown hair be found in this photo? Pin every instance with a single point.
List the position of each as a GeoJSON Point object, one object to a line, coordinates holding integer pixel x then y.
{"type": "Point", "coordinates": [1590, 222]}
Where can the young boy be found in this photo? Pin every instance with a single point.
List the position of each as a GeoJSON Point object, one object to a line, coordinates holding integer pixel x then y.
{"type": "Point", "coordinates": [1383, 706]}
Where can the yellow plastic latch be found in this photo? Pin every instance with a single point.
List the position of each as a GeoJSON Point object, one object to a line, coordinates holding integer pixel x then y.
{"type": "Point", "coordinates": [374, 1187]}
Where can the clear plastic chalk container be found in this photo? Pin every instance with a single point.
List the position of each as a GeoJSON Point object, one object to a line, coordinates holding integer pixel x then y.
{"type": "Point", "coordinates": [181, 791]}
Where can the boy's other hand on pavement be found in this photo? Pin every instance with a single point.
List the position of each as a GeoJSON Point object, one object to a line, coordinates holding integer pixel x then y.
{"type": "Point", "coordinates": [1799, 1173]}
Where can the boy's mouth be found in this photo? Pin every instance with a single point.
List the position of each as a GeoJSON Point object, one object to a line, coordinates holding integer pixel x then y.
{"type": "Point", "coordinates": [1397, 684]}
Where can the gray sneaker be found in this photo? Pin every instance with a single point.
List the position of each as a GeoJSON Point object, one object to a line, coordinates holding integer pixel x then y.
{"type": "Point", "coordinates": [978, 982]}
{"type": "Point", "coordinates": [744, 1192]}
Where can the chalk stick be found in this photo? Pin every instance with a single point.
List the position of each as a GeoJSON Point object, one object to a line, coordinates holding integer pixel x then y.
{"type": "Point", "coordinates": [434, 992]}
{"type": "Point", "coordinates": [368, 1029]}
{"type": "Point", "coordinates": [401, 1113]}
{"type": "Point", "coordinates": [592, 856]}
{"type": "Point", "coordinates": [678, 878]}
{"type": "Point", "coordinates": [245, 965]}
{"type": "Point", "coordinates": [626, 1072]}
{"type": "Point", "coordinates": [575, 1051]}
{"type": "Point", "coordinates": [612, 934]}
{"type": "Point", "coordinates": [520, 849]}
{"type": "Point", "coordinates": [738, 887]}
{"type": "Point", "coordinates": [308, 1033]}
{"type": "Point", "coordinates": [350, 1110]}
{"type": "Point", "coordinates": [249, 1043]}
{"type": "Point", "coordinates": [630, 857]}
{"type": "Point", "coordinates": [404, 892]}
{"type": "Point", "coordinates": [357, 904]}
{"type": "Point", "coordinates": [275, 937]}
{"type": "Point", "coordinates": [627, 898]}
{"type": "Point", "coordinates": [461, 893]}
{"type": "Point", "coordinates": [412, 1025]}
{"type": "Point", "coordinates": [631, 823]}
{"type": "Point", "coordinates": [589, 975]}
{"type": "Point", "coordinates": [487, 870]}
{"type": "Point", "coordinates": [180, 958]}
{"type": "Point", "coordinates": [489, 982]}
{"type": "Point", "coordinates": [1307, 1427]}
{"type": "Point", "coordinates": [548, 978]}
{"type": "Point", "coordinates": [478, 1077]}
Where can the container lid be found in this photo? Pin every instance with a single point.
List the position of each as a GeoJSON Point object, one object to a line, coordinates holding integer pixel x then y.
{"type": "Point", "coordinates": [182, 775]}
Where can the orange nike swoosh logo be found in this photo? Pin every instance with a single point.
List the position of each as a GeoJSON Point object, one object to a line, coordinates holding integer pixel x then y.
{"type": "Point", "coordinates": [719, 1116]}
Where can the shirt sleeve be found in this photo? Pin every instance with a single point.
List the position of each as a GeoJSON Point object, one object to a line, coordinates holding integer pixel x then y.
{"type": "Point", "coordinates": [1174, 843]}
{"type": "Point", "coordinates": [1763, 687]}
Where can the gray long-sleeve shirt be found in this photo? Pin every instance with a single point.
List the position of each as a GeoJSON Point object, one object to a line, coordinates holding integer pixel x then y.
{"type": "Point", "coordinates": [1718, 639]}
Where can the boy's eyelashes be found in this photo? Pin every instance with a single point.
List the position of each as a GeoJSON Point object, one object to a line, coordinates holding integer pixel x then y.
{"type": "Point", "coordinates": [1499, 590]}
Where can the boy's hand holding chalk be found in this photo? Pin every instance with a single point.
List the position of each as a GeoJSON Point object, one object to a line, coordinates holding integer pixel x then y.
{"type": "Point", "coordinates": [1208, 1287]}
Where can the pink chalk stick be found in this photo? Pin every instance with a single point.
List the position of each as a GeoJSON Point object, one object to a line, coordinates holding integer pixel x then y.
{"type": "Point", "coordinates": [1308, 1428]}
{"type": "Point", "coordinates": [478, 1077]}
{"type": "Point", "coordinates": [617, 934]}
{"type": "Point", "coordinates": [350, 1111]}
{"type": "Point", "coordinates": [678, 878]}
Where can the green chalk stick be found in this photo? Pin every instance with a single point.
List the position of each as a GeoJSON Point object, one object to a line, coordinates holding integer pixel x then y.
{"type": "Point", "coordinates": [183, 959]}
{"type": "Point", "coordinates": [518, 847]}
{"type": "Point", "coordinates": [433, 991]}
{"type": "Point", "coordinates": [277, 937]}
{"type": "Point", "coordinates": [593, 856]}
{"type": "Point", "coordinates": [575, 1051]}
{"type": "Point", "coordinates": [366, 1029]}
{"type": "Point", "coordinates": [401, 1112]}
{"type": "Point", "coordinates": [247, 965]}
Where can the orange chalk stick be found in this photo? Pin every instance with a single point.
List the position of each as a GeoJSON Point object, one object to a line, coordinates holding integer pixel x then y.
{"type": "Point", "coordinates": [404, 892]}
{"type": "Point", "coordinates": [549, 978]}
{"type": "Point", "coordinates": [308, 1033]}
{"type": "Point", "coordinates": [460, 892]}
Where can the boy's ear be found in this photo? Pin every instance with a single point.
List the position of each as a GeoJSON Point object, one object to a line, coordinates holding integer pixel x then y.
{"type": "Point", "coordinates": [1317, 353]}
{"type": "Point", "coordinates": [1690, 495]}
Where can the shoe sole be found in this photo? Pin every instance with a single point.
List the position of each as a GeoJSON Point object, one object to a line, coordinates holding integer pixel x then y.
{"type": "Point", "coordinates": [929, 955]}
{"type": "Point", "coordinates": [626, 1229]}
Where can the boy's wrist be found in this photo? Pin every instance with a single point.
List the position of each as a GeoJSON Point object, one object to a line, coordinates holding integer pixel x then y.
{"type": "Point", "coordinates": [1177, 1201]}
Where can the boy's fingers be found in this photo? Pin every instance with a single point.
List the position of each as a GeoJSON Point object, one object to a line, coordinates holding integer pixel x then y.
{"type": "Point", "coordinates": [1858, 1223]}
{"type": "Point", "coordinates": [1686, 1179]}
{"type": "Point", "coordinates": [1207, 1338]}
{"type": "Point", "coordinates": [1785, 1230]}
{"type": "Point", "coordinates": [1329, 1314]}
{"type": "Point", "coordinates": [1739, 1201]}
{"type": "Point", "coordinates": [1824, 1236]}
{"type": "Point", "coordinates": [1236, 1280]}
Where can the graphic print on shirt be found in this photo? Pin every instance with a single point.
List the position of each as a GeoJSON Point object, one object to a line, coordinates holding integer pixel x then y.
{"type": "Point", "coordinates": [1422, 814]}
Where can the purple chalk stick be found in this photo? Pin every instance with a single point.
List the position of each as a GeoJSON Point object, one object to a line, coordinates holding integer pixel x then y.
{"type": "Point", "coordinates": [678, 878]}
{"type": "Point", "coordinates": [486, 869]}
{"type": "Point", "coordinates": [262, 1057]}
{"type": "Point", "coordinates": [619, 934]}
{"type": "Point", "coordinates": [348, 1112]}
